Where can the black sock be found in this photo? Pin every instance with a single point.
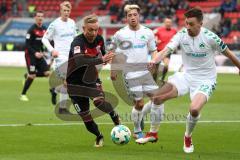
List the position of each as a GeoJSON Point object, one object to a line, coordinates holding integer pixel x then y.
{"type": "Point", "coordinates": [106, 107]}
{"type": "Point", "coordinates": [115, 117]}
{"type": "Point", "coordinates": [165, 70]}
{"type": "Point", "coordinates": [27, 84]}
{"type": "Point", "coordinates": [92, 127]}
{"type": "Point", "coordinates": [155, 75]}
{"type": "Point", "coordinates": [52, 90]}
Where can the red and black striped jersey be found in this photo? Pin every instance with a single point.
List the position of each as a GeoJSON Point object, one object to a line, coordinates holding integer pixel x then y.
{"type": "Point", "coordinates": [34, 39]}
{"type": "Point", "coordinates": [83, 57]}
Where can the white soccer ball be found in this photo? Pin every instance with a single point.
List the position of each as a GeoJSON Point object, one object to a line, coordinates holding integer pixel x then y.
{"type": "Point", "coordinates": [120, 134]}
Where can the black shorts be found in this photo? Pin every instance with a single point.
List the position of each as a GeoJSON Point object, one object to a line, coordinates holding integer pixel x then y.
{"type": "Point", "coordinates": [91, 91]}
{"type": "Point", "coordinates": [35, 65]}
{"type": "Point", "coordinates": [80, 95]}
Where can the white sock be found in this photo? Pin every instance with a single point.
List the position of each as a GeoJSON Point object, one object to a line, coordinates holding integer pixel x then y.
{"type": "Point", "coordinates": [58, 89]}
{"type": "Point", "coordinates": [147, 108]}
{"type": "Point", "coordinates": [190, 124]}
{"type": "Point", "coordinates": [63, 97]}
{"type": "Point", "coordinates": [136, 118]}
{"type": "Point", "coordinates": [156, 115]}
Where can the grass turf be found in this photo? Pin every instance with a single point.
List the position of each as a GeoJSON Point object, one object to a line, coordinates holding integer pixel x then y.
{"type": "Point", "coordinates": [218, 141]}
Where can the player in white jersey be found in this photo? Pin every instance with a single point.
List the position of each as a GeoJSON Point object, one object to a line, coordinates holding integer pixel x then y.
{"type": "Point", "coordinates": [199, 77]}
{"type": "Point", "coordinates": [62, 31]}
{"type": "Point", "coordinates": [137, 41]}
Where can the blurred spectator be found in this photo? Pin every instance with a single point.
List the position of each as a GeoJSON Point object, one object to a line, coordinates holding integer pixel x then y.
{"type": "Point", "coordinates": [226, 27]}
{"type": "Point", "coordinates": [3, 8]}
{"type": "Point", "coordinates": [235, 45]}
{"type": "Point", "coordinates": [174, 5]}
{"type": "Point", "coordinates": [113, 9]}
{"type": "Point", "coordinates": [183, 5]}
{"type": "Point", "coordinates": [31, 10]}
{"type": "Point", "coordinates": [14, 8]}
{"type": "Point", "coordinates": [10, 46]}
{"type": "Point", "coordinates": [228, 6]}
{"type": "Point", "coordinates": [236, 27]}
{"type": "Point", "coordinates": [196, 0]}
{"type": "Point", "coordinates": [155, 10]}
{"type": "Point", "coordinates": [217, 30]}
{"type": "Point", "coordinates": [103, 5]}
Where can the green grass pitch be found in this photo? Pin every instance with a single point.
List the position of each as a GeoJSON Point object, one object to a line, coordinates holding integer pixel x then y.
{"type": "Point", "coordinates": [216, 137]}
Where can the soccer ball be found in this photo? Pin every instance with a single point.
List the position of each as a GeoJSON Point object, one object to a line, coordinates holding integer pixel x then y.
{"type": "Point", "coordinates": [120, 134]}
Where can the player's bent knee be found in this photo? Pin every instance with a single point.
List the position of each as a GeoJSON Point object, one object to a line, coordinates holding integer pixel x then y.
{"type": "Point", "coordinates": [32, 76]}
{"type": "Point", "coordinates": [194, 112]}
{"type": "Point", "coordinates": [47, 74]}
{"type": "Point", "coordinates": [139, 104]}
{"type": "Point", "coordinates": [98, 101]}
{"type": "Point", "coordinates": [157, 101]}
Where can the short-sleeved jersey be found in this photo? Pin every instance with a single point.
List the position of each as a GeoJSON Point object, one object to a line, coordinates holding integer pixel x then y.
{"type": "Point", "coordinates": [33, 39]}
{"type": "Point", "coordinates": [163, 35]}
{"type": "Point", "coordinates": [62, 33]}
{"type": "Point", "coordinates": [198, 52]}
{"type": "Point", "coordinates": [93, 51]}
{"type": "Point", "coordinates": [142, 42]}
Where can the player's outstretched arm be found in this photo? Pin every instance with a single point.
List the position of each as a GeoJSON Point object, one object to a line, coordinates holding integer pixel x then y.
{"type": "Point", "coordinates": [232, 57]}
{"type": "Point", "coordinates": [161, 55]}
{"type": "Point", "coordinates": [107, 57]}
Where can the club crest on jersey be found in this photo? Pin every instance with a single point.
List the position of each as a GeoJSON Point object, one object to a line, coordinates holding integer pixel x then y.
{"type": "Point", "coordinates": [77, 49]}
{"type": "Point", "coordinates": [143, 37]}
{"type": "Point", "coordinates": [201, 45]}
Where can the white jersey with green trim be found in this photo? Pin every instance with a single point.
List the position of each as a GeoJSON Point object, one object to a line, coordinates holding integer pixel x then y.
{"type": "Point", "coordinates": [141, 43]}
{"type": "Point", "coordinates": [198, 52]}
{"type": "Point", "coordinates": [62, 33]}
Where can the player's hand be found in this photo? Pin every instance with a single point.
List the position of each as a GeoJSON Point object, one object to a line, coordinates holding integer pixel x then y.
{"type": "Point", "coordinates": [38, 55]}
{"type": "Point", "coordinates": [55, 54]}
{"type": "Point", "coordinates": [151, 65]}
{"type": "Point", "coordinates": [108, 57]}
{"type": "Point", "coordinates": [113, 75]}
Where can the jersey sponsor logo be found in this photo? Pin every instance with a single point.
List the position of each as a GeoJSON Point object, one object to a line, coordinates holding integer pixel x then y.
{"type": "Point", "coordinates": [140, 46]}
{"type": "Point", "coordinates": [77, 49]}
{"type": "Point", "coordinates": [67, 35]}
{"type": "Point", "coordinates": [126, 38]}
{"type": "Point", "coordinates": [197, 55]}
{"type": "Point", "coordinates": [39, 33]}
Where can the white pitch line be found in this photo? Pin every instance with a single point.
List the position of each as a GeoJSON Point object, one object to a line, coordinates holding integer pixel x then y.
{"type": "Point", "coordinates": [105, 123]}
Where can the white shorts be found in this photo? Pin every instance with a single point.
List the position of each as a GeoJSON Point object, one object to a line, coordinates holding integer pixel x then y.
{"type": "Point", "coordinates": [185, 83]}
{"type": "Point", "coordinates": [60, 67]}
{"type": "Point", "coordinates": [139, 86]}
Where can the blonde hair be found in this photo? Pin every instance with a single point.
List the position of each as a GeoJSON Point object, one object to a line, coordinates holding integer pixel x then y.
{"type": "Point", "coordinates": [66, 4]}
{"type": "Point", "coordinates": [92, 18]}
{"type": "Point", "coordinates": [130, 7]}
